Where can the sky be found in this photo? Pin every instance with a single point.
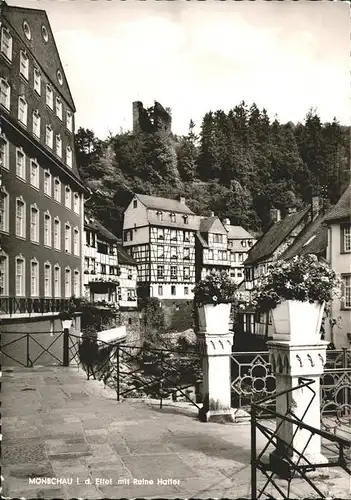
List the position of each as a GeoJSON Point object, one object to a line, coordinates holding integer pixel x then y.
{"type": "Point", "coordinates": [195, 56]}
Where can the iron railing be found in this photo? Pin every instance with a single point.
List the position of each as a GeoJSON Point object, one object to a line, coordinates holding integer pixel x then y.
{"type": "Point", "coordinates": [139, 370]}
{"type": "Point", "coordinates": [16, 305]}
{"type": "Point", "coordinates": [294, 463]}
{"type": "Point", "coordinates": [26, 349]}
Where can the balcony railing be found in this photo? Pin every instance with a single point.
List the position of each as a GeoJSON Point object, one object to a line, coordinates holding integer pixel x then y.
{"type": "Point", "coordinates": [16, 305]}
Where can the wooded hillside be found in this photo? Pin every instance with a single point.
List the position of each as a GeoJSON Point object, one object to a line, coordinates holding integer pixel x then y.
{"type": "Point", "coordinates": [240, 166]}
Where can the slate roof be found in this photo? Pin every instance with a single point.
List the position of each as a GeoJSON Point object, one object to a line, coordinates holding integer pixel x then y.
{"type": "Point", "coordinates": [275, 235]}
{"type": "Point", "coordinates": [313, 239]}
{"type": "Point", "coordinates": [101, 230]}
{"type": "Point", "coordinates": [238, 232]}
{"type": "Point", "coordinates": [206, 224]}
{"type": "Point", "coordinates": [342, 210]}
{"type": "Point", "coordinates": [159, 203]}
{"type": "Point", "coordinates": [124, 257]}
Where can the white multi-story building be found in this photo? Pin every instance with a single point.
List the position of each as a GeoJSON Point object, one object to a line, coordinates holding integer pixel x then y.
{"type": "Point", "coordinates": [239, 243]}
{"type": "Point", "coordinates": [159, 233]}
{"type": "Point", "coordinates": [126, 291]}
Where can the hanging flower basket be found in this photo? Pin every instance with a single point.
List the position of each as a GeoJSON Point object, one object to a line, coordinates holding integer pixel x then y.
{"type": "Point", "coordinates": [213, 297]}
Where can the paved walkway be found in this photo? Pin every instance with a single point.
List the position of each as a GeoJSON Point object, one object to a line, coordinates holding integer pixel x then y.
{"type": "Point", "coordinates": [58, 425]}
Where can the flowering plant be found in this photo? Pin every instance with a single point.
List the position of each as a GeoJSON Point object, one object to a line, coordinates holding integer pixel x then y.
{"type": "Point", "coordinates": [302, 278]}
{"type": "Point", "coordinates": [216, 288]}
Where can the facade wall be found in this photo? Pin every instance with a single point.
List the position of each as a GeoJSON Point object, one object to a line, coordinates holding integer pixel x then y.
{"type": "Point", "coordinates": [135, 217]}
{"type": "Point", "coordinates": [127, 296]}
{"type": "Point", "coordinates": [20, 140]}
{"type": "Point", "coordinates": [341, 263]}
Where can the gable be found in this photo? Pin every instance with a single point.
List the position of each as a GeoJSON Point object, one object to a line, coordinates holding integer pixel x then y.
{"type": "Point", "coordinates": [45, 53]}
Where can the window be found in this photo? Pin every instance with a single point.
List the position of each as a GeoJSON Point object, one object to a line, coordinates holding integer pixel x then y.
{"type": "Point", "coordinates": [174, 272]}
{"type": "Point", "coordinates": [6, 43]}
{"type": "Point", "coordinates": [186, 236]}
{"type": "Point", "coordinates": [76, 241]}
{"type": "Point", "coordinates": [218, 238]}
{"type": "Point", "coordinates": [57, 190]}
{"type": "Point", "coordinates": [47, 230]}
{"type": "Point", "coordinates": [49, 97]}
{"type": "Point", "coordinates": [172, 217]}
{"type": "Point", "coordinates": [160, 290]}
{"type": "Point", "coordinates": [186, 253]}
{"type": "Point", "coordinates": [186, 273]}
{"type": "Point", "coordinates": [47, 183]}
{"type": "Point", "coordinates": [346, 285]}
{"type": "Point", "coordinates": [243, 243]}
{"type": "Point", "coordinates": [20, 218]}
{"type": "Point", "coordinates": [69, 156]}
{"type": "Point", "coordinates": [185, 219]}
{"type": "Point", "coordinates": [210, 254]}
{"type": "Point", "coordinates": [57, 281]}
{"type": "Point", "coordinates": [241, 257]}
{"type": "Point", "coordinates": [20, 164]}
{"type": "Point", "coordinates": [57, 234]}
{"type": "Point", "coordinates": [68, 197]}
{"type": "Point", "coordinates": [174, 254]}
{"type": "Point", "coordinates": [76, 203]}
{"type": "Point", "coordinates": [69, 121]}
{"type": "Point", "coordinates": [45, 33]}
{"type": "Point", "coordinates": [186, 290]}
{"type": "Point", "coordinates": [22, 110]}
{"type": "Point", "coordinates": [47, 280]}
{"type": "Point", "coordinates": [49, 136]}
{"type": "Point", "coordinates": [4, 210]}
{"type": "Point", "coordinates": [34, 174]}
{"type": "Point", "coordinates": [59, 108]}
{"type": "Point", "coordinates": [4, 274]}
{"type": "Point", "coordinates": [5, 93]}
{"type": "Point", "coordinates": [34, 224]}
{"type": "Point", "coordinates": [160, 252]}
{"type": "Point", "coordinates": [135, 203]}
{"type": "Point", "coordinates": [27, 30]}
{"type": "Point", "coordinates": [24, 64]}
{"type": "Point", "coordinates": [4, 153]}
{"type": "Point", "coordinates": [160, 272]}
{"type": "Point", "coordinates": [239, 273]}
{"type": "Point", "coordinates": [59, 77]}
{"type": "Point", "coordinates": [59, 145]}
{"type": "Point", "coordinates": [20, 276]}
{"type": "Point", "coordinates": [173, 290]}
{"type": "Point", "coordinates": [76, 283]}
{"type": "Point", "coordinates": [173, 235]}
{"type": "Point", "coordinates": [159, 215]}
{"type": "Point", "coordinates": [36, 123]}
{"type": "Point", "coordinates": [160, 234]}
{"type": "Point", "coordinates": [68, 283]}
{"type": "Point", "coordinates": [346, 239]}
{"type": "Point", "coordinates": [37, 81]}
{"type": "Point", "coordinates": [34, 278]}
{"type": "Point", "coordinates": [103, 269]}
{"type": "Point", "coordinates": [68, 235]}
{"type": "Point", "coordinates": [249, 323]}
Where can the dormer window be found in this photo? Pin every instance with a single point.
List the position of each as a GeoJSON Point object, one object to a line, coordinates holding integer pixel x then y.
{"type": "Point", "coordinates": [173, 217]}
{"type": "Point", "coordinates": [159, 215]}
{"type": "Point", "coordinates": [186, 219]}
{"type": "Point", "coordinates": [135, 203]}
{"type": "Point", "coordinates": [243, 243]}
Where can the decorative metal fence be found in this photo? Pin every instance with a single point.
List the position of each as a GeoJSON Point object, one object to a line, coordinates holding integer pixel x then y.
{"type": "Point", "coordinates": [267, 472]}
{"type": "Point", "coordinates": [15, 305]}
{"type": "Point", "coordinates": [252, 378]}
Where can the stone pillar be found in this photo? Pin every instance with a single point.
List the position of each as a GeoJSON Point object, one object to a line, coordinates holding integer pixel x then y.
{"type": "Point", "coordinates": [291, 363]}
{"type": "Point", "coordinates": [216, 366]}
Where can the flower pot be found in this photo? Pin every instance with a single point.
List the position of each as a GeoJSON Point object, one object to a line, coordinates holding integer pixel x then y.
{"type": "Point", "coordinates": [298, 322]}
{"type": "Point", "coordinates": [214, 318]}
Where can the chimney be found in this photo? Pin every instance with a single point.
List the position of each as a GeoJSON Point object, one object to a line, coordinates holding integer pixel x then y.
{"type": "Point", "coordinates": [315, 206]}
{"type": "Point", "coordinates": [226, 222]}
{"type": "Point", "coordinates": [275, 214]}
{"type": "Point", "coordinates": [181, 199]}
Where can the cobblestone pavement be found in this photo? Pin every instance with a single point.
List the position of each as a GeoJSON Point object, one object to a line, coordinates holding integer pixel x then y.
{"type": "Point", "coordinates": [56, 424]}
